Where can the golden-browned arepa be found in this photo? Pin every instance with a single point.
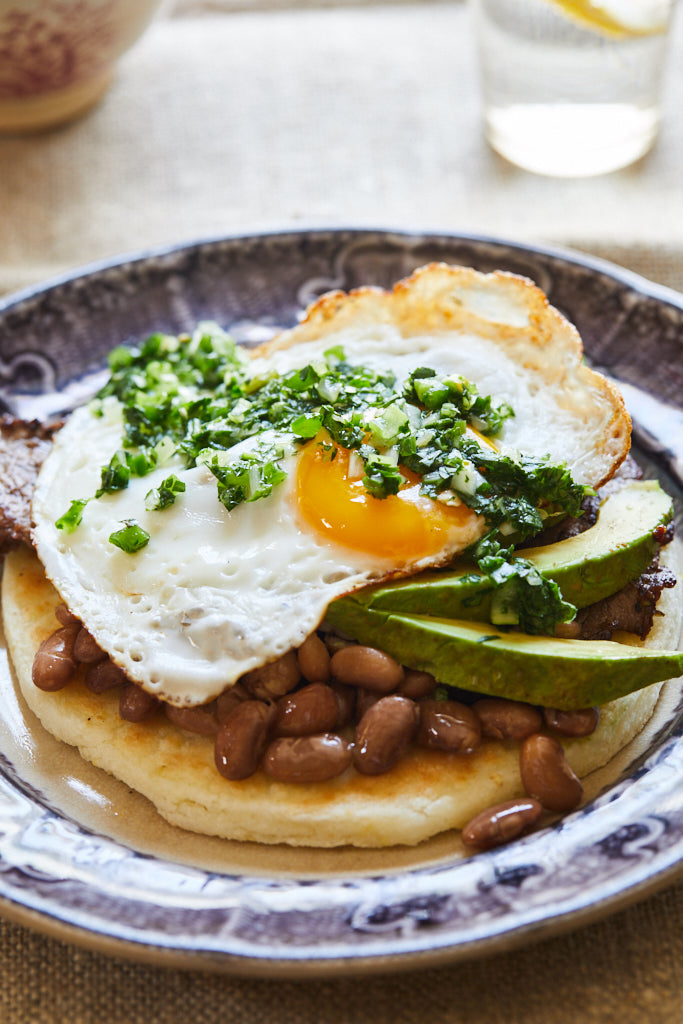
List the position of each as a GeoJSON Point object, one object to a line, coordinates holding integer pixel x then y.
{"type": "Point", "coordinates": [213, 510]}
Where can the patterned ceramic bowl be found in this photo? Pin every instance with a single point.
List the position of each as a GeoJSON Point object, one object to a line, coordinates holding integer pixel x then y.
{"type": "Point", "coordinates": [85, 859]}
{"type": "Point", "coordinates": [57, 57]}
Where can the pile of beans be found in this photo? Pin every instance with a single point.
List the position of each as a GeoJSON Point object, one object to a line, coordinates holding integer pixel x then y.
{"type": "Point", "coordinates": [317, 710]}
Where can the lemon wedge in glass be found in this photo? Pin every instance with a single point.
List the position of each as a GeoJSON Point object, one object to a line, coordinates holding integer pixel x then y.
{"type": "Point", "coordinates": [619, 18]}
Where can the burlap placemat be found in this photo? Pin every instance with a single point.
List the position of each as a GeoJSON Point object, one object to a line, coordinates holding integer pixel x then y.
{"type": "Point", "coordinates": [362, 116]}
{"type": "Point", "coordinates": [356, 116]}
{"type": "Point", "coordinates": [623, 970]}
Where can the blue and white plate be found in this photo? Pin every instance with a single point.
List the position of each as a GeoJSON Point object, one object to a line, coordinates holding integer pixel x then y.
{"type": "Point", "coordinates": [83, 859]}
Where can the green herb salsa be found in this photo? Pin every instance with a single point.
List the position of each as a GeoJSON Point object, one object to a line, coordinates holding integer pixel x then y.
{"type": "Point", "coordinates": [197, 396]}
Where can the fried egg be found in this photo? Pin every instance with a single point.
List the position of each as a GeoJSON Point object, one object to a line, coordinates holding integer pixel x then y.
{"type": "Point", "coordinates": [216, 593]}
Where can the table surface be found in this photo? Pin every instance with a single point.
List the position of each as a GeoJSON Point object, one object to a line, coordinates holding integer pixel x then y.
{"type": "Point", "coordinates": [223, 120]}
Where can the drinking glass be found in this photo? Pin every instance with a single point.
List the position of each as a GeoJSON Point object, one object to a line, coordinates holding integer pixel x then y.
{"type": "Point", "coordinates": [572, 88]}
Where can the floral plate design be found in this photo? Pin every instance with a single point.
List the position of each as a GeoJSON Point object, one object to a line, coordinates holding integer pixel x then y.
{"type": "Point", "coordinates": [61, 876]}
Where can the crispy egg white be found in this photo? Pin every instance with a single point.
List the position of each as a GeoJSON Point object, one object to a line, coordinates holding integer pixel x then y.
{"type": "Point", "coordinates": [217, 593]}
{"type": "Point", "coordinates": [544, 422]}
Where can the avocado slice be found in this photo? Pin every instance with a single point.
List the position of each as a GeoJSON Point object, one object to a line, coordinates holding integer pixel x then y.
{"type": "Point", "coordinates": [588, 567]}
{"type": "Point", "coordinates": [617, 549]}
{"type": "Point", "coordinates": [537, 669]}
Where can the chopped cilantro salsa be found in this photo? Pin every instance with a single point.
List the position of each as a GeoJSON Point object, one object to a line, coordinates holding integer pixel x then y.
{"type": "Point", "coordinates": [197, 396]}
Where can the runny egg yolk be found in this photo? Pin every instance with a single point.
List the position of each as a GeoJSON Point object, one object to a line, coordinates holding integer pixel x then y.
{"type": "Point", "coordinates": [403, 527]}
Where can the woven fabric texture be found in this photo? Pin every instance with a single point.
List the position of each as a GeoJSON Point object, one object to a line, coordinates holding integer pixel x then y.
{"type": "Point", "coordinates": [626, 969]}
{"type": "Point", "coordinates": [361, 116]}
{"type": "Point", "coordinates": [366, 116]}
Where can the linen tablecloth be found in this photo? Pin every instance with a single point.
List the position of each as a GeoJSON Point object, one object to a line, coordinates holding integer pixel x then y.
{"type": "Point", "coordinates": [228, 121]}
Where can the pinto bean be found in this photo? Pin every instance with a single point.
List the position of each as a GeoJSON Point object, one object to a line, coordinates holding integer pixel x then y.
{"type": "Point", "coordinates": [335, 643]}
{"type": "Point", "coordinates": [448, 725]}
{"type": "Point", "coordinates": [572, 723]}
{"type": "Point", "coordinates": [367, 667]}
{"type": "Point", "coordinates": [307, 758]}
{"type": "Point", "coordinates": [503, 719]}
{"type": "Point", "coordinates": [312, 709]}
{"type": "Point", "coordinates": [135, 704]}
{"type": "Point", "coordinates": [229, 699]}
{"type": "Point", "coordinates": [416, 685]}
{"type": "Point", "coordinates": [345, 697]}
{"type": "Point", "coordinates": [314, 660]}
{"type": "Point", "coordinates": [501, 823]}
{"type": "Point", "coordinates": [547, 776]}
{"type": "Point", "coordinates": [86, 648]}
{"type": "Point", "coordinates": [383, 734]}
{"type": "Point", "coordinates": [104, 675]}
{"type": "Point", "coordinates": [65, 616]}
{"type": "Point", "coordinates": [274, 679]}
{"type": "Point", "coordinates": [202, 720]}
{"type": "Point", "coordinates": [54, 663]}
{"type": "Point", "coordinates": [364, 700]}
{"type": "Point", "coordinates": [242, 739]}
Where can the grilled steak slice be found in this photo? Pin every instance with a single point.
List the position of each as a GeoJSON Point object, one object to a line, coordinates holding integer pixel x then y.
{"type": "Point", "coordinates": [631, 609]}
{"type": "Point", "coordinates": [23, 448]}
{"type": "Point", "coordinates": [573, 525]}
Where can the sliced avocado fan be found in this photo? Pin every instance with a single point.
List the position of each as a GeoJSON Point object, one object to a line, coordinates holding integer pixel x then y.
{"type": "Point", "coordinates": [430, 622]}
{"type": "Point", "coordinates": [587, 568]}
{"type": "Point", "coordinates": [537, 669]}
